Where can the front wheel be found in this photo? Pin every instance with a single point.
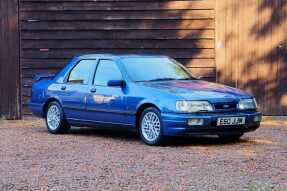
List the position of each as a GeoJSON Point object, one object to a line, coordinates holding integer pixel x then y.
{"type": "Point", "coordinates": [55, 119]}
{"type": "Point", "coordinates": [150, 127]}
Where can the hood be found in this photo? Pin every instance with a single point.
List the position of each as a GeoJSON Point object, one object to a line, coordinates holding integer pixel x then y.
{"type": "Point", "coordinates": [199, 90]}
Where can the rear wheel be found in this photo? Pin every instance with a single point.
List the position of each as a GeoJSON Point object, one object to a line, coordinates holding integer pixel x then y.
{"type": "Point", "coordinates": [55, 119]}
{"type": "Point", "coordinates": [150, 127]}
{"type": "Point", "coordinates": [231, 137]}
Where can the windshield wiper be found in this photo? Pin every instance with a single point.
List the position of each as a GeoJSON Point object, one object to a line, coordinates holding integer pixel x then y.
{"type": "Point", "coordinates": [189, 78]}
{"type": "Point", "coordinates": [158, 79]}
{"type": "Point", "coordinates": [161, 79]}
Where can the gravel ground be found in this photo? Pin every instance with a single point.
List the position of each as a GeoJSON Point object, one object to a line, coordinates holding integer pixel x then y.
{"type": "Point", "coordinates": [93, 159]}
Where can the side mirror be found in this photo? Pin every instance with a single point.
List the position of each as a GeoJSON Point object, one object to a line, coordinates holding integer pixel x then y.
{"type": "Point", "coordinates": [116, 83]}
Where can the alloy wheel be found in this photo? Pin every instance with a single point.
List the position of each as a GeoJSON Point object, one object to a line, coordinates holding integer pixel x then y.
{"type": "Point", "coordinates": [53, 117]}
{"type": "Point", "coordinates": [150, 126]}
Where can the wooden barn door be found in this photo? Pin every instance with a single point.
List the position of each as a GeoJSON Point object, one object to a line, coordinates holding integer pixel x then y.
{"type": "Point", "coordinates": [9, 60]}
{"type": "Point", "coordinates": [251, 50]}
{"type": "Point", "coordinates": [52, 32]}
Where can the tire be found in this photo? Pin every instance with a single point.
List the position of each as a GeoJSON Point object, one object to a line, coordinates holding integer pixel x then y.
{"type": "Point", "coordinates": [56, 122]}
{"type": "Point", "coordinates": [231, 137]}
{"type": "Point", "coordinates": [152, 134]}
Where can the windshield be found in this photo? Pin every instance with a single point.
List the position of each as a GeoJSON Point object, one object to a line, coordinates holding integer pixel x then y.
{"type": "Point", "coordinates": [155, 69]}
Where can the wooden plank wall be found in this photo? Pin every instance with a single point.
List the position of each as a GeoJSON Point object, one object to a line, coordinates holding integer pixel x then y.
{"type": "Point", "coordinates": [9, 60]}
{"type": "Point", "coordinates": [251, 50]}
{"type": "Point", "coordinates": [54, 31]}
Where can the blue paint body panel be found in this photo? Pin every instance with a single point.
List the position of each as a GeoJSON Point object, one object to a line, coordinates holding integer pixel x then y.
{"type": "Point", "coordinates": [121, 104]}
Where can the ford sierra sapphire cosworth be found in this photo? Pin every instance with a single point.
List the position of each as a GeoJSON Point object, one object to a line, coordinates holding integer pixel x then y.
{"type": "Point", "coordinates": [154, 95]}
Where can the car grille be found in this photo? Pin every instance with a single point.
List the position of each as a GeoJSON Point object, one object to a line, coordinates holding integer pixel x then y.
{"type": "Point", "coordinates": [225, 106]}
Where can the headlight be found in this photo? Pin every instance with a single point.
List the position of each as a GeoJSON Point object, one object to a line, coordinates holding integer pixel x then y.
{"type": "Point", "coordinates": [247, 104]}
{"type": "Point", "coordinates": [193, 106]}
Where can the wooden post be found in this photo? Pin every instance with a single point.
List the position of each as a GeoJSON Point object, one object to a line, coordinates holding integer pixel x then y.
{"type": "Point", "coordinates": [9, 60]}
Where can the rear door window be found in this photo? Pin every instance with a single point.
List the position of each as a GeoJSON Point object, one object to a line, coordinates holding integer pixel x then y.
{"type": "Point", "coordinates": [82, 72]}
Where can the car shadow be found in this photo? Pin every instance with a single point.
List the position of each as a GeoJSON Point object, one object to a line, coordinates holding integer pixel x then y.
{"type": "Point", "coordinates": [132, 136]}
{"type": "Point", "coordinates": [201, 141]}
{"type": "Point", "coordinates": [105, 133]}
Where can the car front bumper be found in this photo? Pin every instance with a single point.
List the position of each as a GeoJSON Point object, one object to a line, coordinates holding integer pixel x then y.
{"type": "Point", "coordinates": [177, 124]}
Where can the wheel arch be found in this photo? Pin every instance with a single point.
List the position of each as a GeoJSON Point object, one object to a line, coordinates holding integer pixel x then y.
{"type": "Point", "coordinates": [141, 108]}
{"type": "Point", "coordinates": [47, 102]}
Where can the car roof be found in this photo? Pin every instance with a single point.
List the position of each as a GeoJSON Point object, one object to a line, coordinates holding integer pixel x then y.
{"type": "Point", "coordinates": [117, 56]}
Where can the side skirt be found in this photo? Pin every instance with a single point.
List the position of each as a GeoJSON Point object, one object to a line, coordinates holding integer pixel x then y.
{"type": "Point", "coordinates": [100, 124]}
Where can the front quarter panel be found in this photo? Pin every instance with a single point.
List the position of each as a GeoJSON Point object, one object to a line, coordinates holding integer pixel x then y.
{"type": "Point", "coordinates": [140, 94]}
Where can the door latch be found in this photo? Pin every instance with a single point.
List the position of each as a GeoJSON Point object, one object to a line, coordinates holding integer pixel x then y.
{"type": "Point", "coordinates": [63, 87]}
{"type": "Point", "coordinates": [93, 90]}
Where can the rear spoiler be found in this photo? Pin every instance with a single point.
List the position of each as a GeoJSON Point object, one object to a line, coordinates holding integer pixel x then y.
{"type": "Point", "coordinates": [39, 77]}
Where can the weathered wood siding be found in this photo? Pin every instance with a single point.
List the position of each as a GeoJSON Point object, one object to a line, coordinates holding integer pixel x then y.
{"type": "Point", "coordinates": [239, 43]}
{"type": "Point", "coordinates": [54, 31]}
{"type": "Point", "coordinates": [9, 60]}
{"type": "Point", "coordinates": [251, 50]}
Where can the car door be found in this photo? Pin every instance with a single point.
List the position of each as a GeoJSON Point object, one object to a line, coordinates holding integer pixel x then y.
{"type": "Point", "coordinates": [74, 91]}
{"type": "Point", "coordinates": [106, 104]}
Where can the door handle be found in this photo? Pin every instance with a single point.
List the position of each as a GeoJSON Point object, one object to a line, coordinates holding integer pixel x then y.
{"type": "Point", "coordinates": [63, 87]}
{"type": "Point", "coordinates": [93, 90]}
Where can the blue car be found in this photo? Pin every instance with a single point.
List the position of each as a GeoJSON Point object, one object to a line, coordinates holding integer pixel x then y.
{"type": "Point", "coordinates": [155, 95]}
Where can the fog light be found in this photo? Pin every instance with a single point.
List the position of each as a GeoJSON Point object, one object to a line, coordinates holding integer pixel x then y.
{"type": "Point", "coordinates": [195, 122]}
{"type": "Point", "coordinates": [257, 118]}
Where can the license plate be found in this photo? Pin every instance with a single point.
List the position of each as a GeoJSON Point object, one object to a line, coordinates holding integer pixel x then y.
{"type": "Point", "coordinates": [230, 121]}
